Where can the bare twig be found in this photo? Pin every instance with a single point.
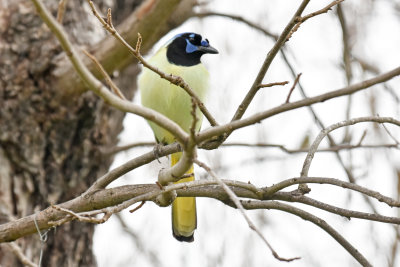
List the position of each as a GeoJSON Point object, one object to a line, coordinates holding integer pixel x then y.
{"type": "Point", "coordinates": [194, 120]}
{"type": "Point", "coordinates": [293, 86]}
{"type": "Point", "coordinates": [138, 207]}
{"type": "Point", "coordinates": [118, 149]}
{"type": "Point", "coordinates": [272, 84]}
{"type": "Point", "coordinates": [236, 18]}
{"type": "Point", "coordinates": [218, 130]}
{"type": "Point", "coordinates": [269, 191]}
{"type": "Point", "coordinates": [19, 254]}
{"type": "Point", "coordinates": [311, 218]}
{"type": "Point", "coordinates": [114, 174]}
{"type": "Point", "coordinates": [301, 20]}
{"type": "Point", "coordinates": [80, 218]}
{"type": "Point", "coordinates": [108, 79]}
{"type": "Point", "coordinates": [321, 11]}
{"type": "Point", "coordinates": [324, 132]}
{"type": "Point", "coordinates": [283, 148]}
{"type": "Point", "coordinates": [140, 243]}
{"type": "Point", "coordinates": [238, 205]}
{"type": "Point", "coordinates": [346, 44]}
{"type": "Point", "coordinates": [289, 196]}
{"type": "Point", "coordinates": [390, 134]}
{"type": "Point", "coordinates": [61, 10]}
{"type": "Point", "coordinates": [268, 60]}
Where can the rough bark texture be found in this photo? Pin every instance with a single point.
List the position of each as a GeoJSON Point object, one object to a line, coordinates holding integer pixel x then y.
{"type": "Point", "coordinates": [50, 148]}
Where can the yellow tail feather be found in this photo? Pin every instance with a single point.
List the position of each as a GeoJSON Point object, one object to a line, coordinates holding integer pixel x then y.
{"type": "Point", "coordinates": [184, 220]}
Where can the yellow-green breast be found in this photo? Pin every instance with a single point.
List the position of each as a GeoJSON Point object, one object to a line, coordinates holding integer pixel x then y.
{"type": "Point", "coordinates": [169, 99]}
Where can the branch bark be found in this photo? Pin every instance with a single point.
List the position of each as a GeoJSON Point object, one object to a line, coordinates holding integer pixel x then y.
{"type": "Point", "coordinates": [218, 130]}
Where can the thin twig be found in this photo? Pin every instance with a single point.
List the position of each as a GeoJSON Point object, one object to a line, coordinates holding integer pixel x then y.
{"type": "Point", "coordinates": [293, 86]}
{"type": "Point", "coordinates": [272, 84]}
{"type": "Point", "coordinates": [288, 196]}
{"type": "Point", "coordinates": [17, 251]}
{"type": "Point", "coordinates": [321, 11]}
{"type": "Point", "coordinates": [346, 44]}
{"type": "Point", "coordinates": [138, 207]}
{"type": "Point", "coordinates": [283, 148]}
{"type": "Point", "coordinates": [61, 10]}
{"type": "Point", "coordinates": [267, 63]}
{"type": "Point", "coordinates": [80, 218]}
{"type": "Point", "coordinates": [324, 132]}
{"type": "Point", "coordinates": [231, 126]}
{"type": "Point", "coordinates": [118, 149]}
{"type": "Point", "coordinates": [238, 205]}
{"type": "Point", "coordinates": [271, 190]}
{"type": "Point", "coordinates": [140, 243]}
{"type": "Point", "coordinates": [364, 134]}
{"type": "Point", "coordinates": [390, 134]}
{"type": "Point", "coordinates": [236, 18]}
{"type": "Point", "coordinates": [114, 174]}
{"type": "Point", "coordinates": [194, 120]}
{"type": "Point", "coordinates": [301, 20]}
{"type": "Point", "coordinates": [311, 218]}
{"type": "Point", "coordinates": [108, 79]}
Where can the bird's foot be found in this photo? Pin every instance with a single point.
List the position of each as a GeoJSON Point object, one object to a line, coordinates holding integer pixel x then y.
{"type": "Point", "coordinates": [157, 151]}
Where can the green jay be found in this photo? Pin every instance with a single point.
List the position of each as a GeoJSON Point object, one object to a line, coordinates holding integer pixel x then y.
{"type": "Point", "coordinates": [180, 57]}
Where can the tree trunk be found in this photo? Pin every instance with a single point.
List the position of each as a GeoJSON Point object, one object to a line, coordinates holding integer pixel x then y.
{"type": "Point", "coordinates": [50, 147]}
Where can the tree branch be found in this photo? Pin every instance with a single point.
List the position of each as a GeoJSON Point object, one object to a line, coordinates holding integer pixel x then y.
{"type": "Point", "coordinates": [20, 254]}
{"type": "Point", "coordinates": [269, 191]}
{"type": "Point", "coordinates": [114, 174]}
{"type": "Point", "coordinates": [324, 132]}
{"type": "Point", "coordinates": [233, 125]}
{"type": "Point", "coordinates": [237, 203]}
{"type": "Point", "coordinates": [236, 18]}
{"type": "Point", "coordinates": [288, 196]}
{"type": "Point", "coordinates": [283, 148]}
{"type": "Point", "coordinates": [268, 60]}
{"type": "Point", "coordinates": [109, 201]}
{"type": "Point", "coordinates": [311, 218]}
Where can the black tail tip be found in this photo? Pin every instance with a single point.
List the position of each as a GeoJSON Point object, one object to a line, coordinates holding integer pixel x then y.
{"type": "Point", "coordinates": [182, 238]}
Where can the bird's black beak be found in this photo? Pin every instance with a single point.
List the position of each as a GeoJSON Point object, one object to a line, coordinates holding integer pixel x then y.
{"type": "Point", "coordinates": [207, 49]}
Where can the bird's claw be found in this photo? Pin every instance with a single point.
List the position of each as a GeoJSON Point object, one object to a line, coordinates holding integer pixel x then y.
{"type": "Point", "coordinates": [157, 151]}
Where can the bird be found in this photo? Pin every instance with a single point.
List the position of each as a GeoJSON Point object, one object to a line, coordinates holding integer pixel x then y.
{"type": "Point", "coordinates": [180, 57]}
